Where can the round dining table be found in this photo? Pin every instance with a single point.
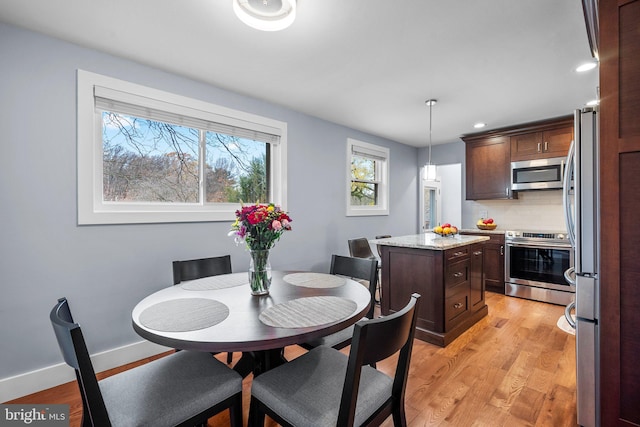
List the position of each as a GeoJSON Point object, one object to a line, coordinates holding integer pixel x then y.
{"type": "Point", "coordinates": [219, 314]}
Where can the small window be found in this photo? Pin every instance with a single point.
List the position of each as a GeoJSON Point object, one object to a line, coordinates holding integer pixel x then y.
{"type": "Point", "coordinates": [367, 185]}
{"type": "Point", "coordinates": [150, 156]}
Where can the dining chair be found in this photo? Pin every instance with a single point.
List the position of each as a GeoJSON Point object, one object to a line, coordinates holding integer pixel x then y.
{"type": "Point", "coordinates": [378, 247]}
{"type": "Point", "coordinates": [199, 268]}
{"type": "Point", "coordinates": [203, 267]}
{"type": "Point", "coordinates": [325, 387]}
{"type": "Point", "coordinates": [355, 268]}
{"type": "Point", "coordinates": [182, 389]}
{"type": "Point", "coordinates": [360, 248]}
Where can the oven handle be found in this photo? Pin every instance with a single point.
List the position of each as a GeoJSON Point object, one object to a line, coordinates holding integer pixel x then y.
{"type": "Point", "coordinates": [539, 246]}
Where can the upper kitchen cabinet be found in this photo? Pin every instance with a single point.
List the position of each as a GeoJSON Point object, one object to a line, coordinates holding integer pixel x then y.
{"type": "Point", "coordinates": [488, 167]}
{"type": "Point", "coordinates": [489, 154]}
{"type": "Point", "coordinates": [552, 140]}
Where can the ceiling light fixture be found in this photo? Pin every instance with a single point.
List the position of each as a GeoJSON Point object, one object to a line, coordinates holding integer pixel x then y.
{"type": "Point", "coordinates": [586, 67]}
{"type": "Point", "coordinates": [479, 125]}
{"type": "Point", "coordinates": [429, 169]}
{"type": "Point", "coordinates": [266, 15]}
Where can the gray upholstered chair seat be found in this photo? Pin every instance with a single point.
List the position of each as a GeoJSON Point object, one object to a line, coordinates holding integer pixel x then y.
{"type": "Point", "coordinates": [307, 390]}
{"type": "Point", "coordinates": [182, 389]}
{"type": "Point", "coordinates": [197, 380]}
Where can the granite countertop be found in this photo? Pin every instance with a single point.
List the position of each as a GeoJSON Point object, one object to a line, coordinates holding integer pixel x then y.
{"type": "Point", "coordinates": [478, 231]}
{"type": "Point", "coordinates": [429, 241]}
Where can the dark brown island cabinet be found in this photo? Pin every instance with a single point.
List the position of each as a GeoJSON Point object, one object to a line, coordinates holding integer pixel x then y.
{"type": "Point", "coordinates": [492, 260]}
{"type": "Point", "coordinates": [446, 271]}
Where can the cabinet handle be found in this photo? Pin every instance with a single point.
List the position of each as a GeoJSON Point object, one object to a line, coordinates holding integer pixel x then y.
{"type": "Point", "coordinates": [546, 146]}
{"type": "Point", "coordinates": [457, 305]}
{"type": "Point", "coordinates": [539, 148]}
{"type": "Point", "coordinates": [458, 253]}
{"type": "Point", "coordinates": [476, 253]}
{"type": "Point", "coordinates": [458, 274]}
{"type": "Point", "coordinates": [507, 191]}
{"type": "Point", "coordinates": [501, 249]}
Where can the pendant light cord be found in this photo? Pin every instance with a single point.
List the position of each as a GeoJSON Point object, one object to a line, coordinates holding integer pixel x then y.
{"type": "Point", "coordinates": [430, 103]}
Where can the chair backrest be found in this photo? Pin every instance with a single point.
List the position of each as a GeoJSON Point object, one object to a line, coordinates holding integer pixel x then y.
{"type": "Point", "coordinates": [375, 340]}
{"type": "Point", "coordinates": [199, 268]}
{"type": "Point", "coordinates": [360, 248]}
{"type": "Point", "coordinates": [76, 355]}
{"type": "Point", "coordinates": [381, 236]}
{"type": "Point", "coordinates": [358, 268]}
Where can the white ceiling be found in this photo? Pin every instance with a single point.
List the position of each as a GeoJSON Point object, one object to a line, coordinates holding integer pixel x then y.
{"type": "Point", "coordinates": [366, 64]}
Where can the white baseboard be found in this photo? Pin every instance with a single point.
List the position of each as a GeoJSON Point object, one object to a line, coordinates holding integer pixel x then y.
{"type": "Point", "coordinates": [51, 376]}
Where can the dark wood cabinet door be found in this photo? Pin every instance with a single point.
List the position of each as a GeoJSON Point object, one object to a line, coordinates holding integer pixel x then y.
{"type": "Point", "coordinates": [492, 261]}
{"type": "Point", "coordinates": [476, 279]}
{"type": "Point", "coordinates": [527, 146]}
{"type": "Point", "coordinates": [494, 265]}
{"type": "Point", "coordinates": [488, 168]}
{"type": "Point", "coordinates": [619, 207]}
{"type": "Point", "coordinates": [556, 142]}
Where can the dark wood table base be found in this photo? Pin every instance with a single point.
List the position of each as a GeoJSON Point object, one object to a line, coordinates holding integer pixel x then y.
{"type": "Point", "coordinates": [258, 362]}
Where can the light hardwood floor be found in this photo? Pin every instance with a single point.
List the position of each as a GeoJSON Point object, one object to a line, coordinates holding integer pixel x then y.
{"type": "Point", "coordinates": [513, 368]}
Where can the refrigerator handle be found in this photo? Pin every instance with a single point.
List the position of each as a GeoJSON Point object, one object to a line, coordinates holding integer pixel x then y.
{"type": "Point", "coordinates": [566, 194]}
{"type": "Point", "coordinates": [570, 276]}
{"type": "Point", "coordinates": [567, 314]}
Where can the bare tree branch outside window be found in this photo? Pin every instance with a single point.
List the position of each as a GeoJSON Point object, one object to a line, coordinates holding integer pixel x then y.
{"type": "Point", "coordinates": [151, 161]}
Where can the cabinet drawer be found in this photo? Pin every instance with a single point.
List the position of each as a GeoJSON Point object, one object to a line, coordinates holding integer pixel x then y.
{"type": "Point", "coordinates": [452, 255]}
{"type": "Point", "coordinates": [455, 308]}
{"type": "Point", "coordinates": [456, 274]}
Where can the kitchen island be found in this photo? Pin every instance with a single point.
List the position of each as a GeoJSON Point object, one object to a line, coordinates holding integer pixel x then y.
{"type": "Point", "coordinates": [446, 271]}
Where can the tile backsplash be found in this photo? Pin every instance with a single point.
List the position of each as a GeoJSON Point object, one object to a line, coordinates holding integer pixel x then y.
{"type": "Point", "coordinates": [533, 210]}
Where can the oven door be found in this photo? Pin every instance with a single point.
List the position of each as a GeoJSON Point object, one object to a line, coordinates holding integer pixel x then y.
{"type": "Point", "coordinates": [539, 265]}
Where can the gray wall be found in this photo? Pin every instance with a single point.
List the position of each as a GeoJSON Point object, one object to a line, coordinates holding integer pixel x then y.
{"type": "Point", "coordinates": [105, 270]}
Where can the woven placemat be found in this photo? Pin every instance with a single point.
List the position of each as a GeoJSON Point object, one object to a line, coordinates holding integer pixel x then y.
{"type": "Point", "coordinates": [306, 312]}
{"type": "Point", "coordinates": [314, 280]}
{"type": "Point", "coordinates": [182, 315]}
{"type": "Point", "coordinates": [216, 282]}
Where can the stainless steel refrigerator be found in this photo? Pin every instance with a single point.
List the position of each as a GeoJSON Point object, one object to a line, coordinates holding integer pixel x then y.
{"type": "Point", "coordinates": [581, 205]}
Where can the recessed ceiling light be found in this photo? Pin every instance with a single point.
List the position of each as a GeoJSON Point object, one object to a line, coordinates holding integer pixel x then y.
{"type": "Point", "coordinates": [266, 15]}
{"type": "Point", "coordinates": [479, 125]}
{"type": "Point", "coordinates": [593, 102]}
{"type": "Point", "coordinates": [586, 67]}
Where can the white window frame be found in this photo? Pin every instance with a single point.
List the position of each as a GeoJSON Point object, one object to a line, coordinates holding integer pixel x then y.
{"type": "Point", "coordinates": [381, 155]}
{"type": "Point", "coordinates": [91, 207]}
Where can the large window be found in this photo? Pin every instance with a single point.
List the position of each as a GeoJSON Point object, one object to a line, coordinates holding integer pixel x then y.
{"type": "Point", "coordinates": [368, 176]}
{"type": "Point", "coordinates": [149, 156]}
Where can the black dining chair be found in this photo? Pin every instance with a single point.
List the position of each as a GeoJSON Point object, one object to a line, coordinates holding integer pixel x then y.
{"type": "Point", "coordinates": [199, 268]}
{"type": "Point", "coordinates": [324, 387]}
{"type": "Point", "coordinates": [360, 248]}
{"type": "Point", "coordinates": [203, 267]}
{"type": "Point", "coordinates": [379, 250]}
{"type": "Point", "coordinates": [355, 268]}
{"type": "Point", "coordinates": [381, 236]}
{"type": "Point", "coordinates": [182, 389]}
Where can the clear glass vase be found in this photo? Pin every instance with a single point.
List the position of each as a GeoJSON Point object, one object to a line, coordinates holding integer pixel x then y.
{"type": "Point", "coordinates": [259, 272]}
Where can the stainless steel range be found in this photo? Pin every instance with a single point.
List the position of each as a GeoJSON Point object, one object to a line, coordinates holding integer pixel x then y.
{"type": "Point", "coordinates": [535, 263]}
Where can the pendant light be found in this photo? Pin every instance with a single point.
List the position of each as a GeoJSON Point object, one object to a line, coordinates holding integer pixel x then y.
{"type": "Point", "coordinates": [430, 169]}
{"type": "Point", "coordinates": [266, 15]}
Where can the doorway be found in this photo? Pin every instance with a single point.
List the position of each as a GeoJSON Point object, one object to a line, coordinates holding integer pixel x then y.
{"type": "Point", "coordinates": [441, 200]}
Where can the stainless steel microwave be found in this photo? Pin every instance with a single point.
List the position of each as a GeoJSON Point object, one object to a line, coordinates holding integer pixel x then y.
{"type": "Point", "coordinates": [539, 174]}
